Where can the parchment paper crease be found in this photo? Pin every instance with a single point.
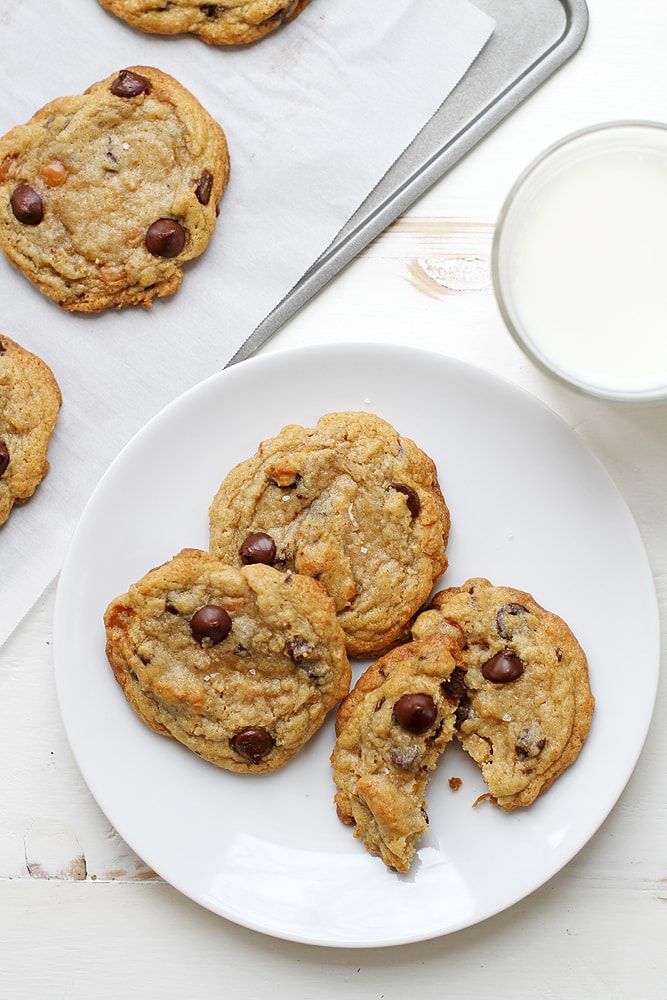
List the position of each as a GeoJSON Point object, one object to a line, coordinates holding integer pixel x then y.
{"type": "Point", "coordinates": [314, 115]}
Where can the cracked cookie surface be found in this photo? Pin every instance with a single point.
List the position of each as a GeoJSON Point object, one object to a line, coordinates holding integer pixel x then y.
{"type": "Point", "coordinates": [390, 733]}
{"type": "Point", "coordinates": [105, 195]}
{"type": "Point", "coordinates": [528, 706]}
{"type": "Point", "coordinates": [239, 665]}
{"type": "Point", "coordinates": [235, 22]}
{"type": "Point", "coordinates": [30, 400]}
{"type": "Point", "coordinates": [350, 502]}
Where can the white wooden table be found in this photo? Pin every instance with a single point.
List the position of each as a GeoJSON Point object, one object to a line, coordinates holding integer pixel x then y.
{"type": "Point", "coordinates": [82, 917]}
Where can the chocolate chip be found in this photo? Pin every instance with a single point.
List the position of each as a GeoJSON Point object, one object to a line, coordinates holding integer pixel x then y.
{"type": "Point", "coordinates": [253, 743]}
{"type": "Point", "coordinates": [503, 667]}
{"type": "Point", "coordinates": [415, 712]}
{"type": "Point", "coordinates": [504, 619]}
{"type": "Point", "coordinates": [413, 501]}
{"type": "Point", "coordinates": [27, 205]}
{"type": "Point", "coordinates": [2, 348]}
{"type": "Point", "coordinates": [212, 10]}
{"type": "Point", "coordinates": [4, 457]}
{"type": "Point", "coordinates": [204, 188]}
{"type": "Point", "coordinates": [129, 84]}
{"type": "Point", "coordinates": [298, 648]}
{"type": "Point", "coordinates": [165, 238]}
{"type": "Point", "coordinates": [463, 710]}
{"type": "Point", "coordinates": [258, 548]}
{"type": "Point", "coordinates": [211, 622]}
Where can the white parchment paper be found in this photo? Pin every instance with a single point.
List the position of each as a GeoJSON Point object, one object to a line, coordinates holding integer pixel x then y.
{"type": "Point", "coordinates": [314, 116]}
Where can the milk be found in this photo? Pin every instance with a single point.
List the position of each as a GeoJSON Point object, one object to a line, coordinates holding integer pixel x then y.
{"type": "Point", "coordinates": [581, 262]}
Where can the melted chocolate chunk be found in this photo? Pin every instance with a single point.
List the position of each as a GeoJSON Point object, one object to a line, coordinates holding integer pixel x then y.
{"type": "Point", "coordinates": [503, 667]}
{"type": "Point", "coordinates": [253, 743]}
{"type": "Point", "coordinates": [415, 712]}
{"type": "Point", "coordinates": [211, 622]}
{"type": "Point", "coordinates": [413, 501]}
{"type": "Point", "coordinates": [453, 688]}
{"type": "Point", "coordinates": [298, 648]}
{"type": "Point", "coordinates": [2, 348]}
{"type": "Point", "coordinates": [529, 744]}
{"type": "Point", "coordinates": [258, 548]}
{"type": "Point", "coordinates": [165, 238]}
{"type": "Point", "coordinates": [506, 619]}
{"type": "Point", "coordinates": [204, 188]}
{"type": "Point", "coordinates": [27, 205]}
{"type": "Point", "coordinates": [212, 10]}
{"type": "Point", "coordinates": [406, 758]}
{"type": "Point", "coordinates": [4, 457]}
{"type": "Point", "coordinates": [129, 84]}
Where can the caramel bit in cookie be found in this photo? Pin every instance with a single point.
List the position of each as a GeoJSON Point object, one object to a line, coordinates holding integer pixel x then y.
{"type": "Point", "coordinates": [253, 743]}
{"type": "Point", "coordinates": [53, 173]}
{"type": "Point", "coordinates": [503, 667]}
{"type": "Point", "coordinates": [258, 547]}
{"type": "Point", "coordinates": [27, 205]}
{"type": "Point", "coordinates": [210, 623]}
{"type": "Point", "coordinates": [129, 84]}
{"type": "Point", "coordinates": [204, 188]}
{"type": "Point", "coordinates": [413, 501]}
{"type": "Point", "coordinates": [165, 238]}
{"type": "Point", "coordinates": [283, 472]}
{"type": "Point", "coordinates": [415, 713]}
{"type": "Point", "coordinates": [5, 167]}
{"type": "Point", "coordinates": [4, 457]}
{"type": "Point", "coordinates": [506, 619]}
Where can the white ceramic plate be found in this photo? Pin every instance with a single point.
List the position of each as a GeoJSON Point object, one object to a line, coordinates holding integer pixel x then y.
{"type": "Point", "coordinates": [530, 508]}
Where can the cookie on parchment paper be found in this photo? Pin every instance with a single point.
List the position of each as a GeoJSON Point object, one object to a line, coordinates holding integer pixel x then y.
{"type": "Point", "coordinates": [239, 665]}
{"type": "Point", "coordinates": [350, 502]}
{"type": "Point", "coordinates": [235, 22]}
{"type": "Point", "coordinates": [30, 400]}
{"type": "Point", "coordinates": [105, 195]}
{"type": "Point", "coordinates": [527, 708]}
{"type": "Point", "coordinates": [390, 733]}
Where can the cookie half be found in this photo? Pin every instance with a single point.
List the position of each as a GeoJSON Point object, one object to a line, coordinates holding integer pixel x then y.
{"type": "Point", "coordinates": [390, 733]}
{"type": "Point", "coordinates": [105, 195]}
{"type": "Point", "coordinates": [30, 400]}
{"type": "Point", "coordinates": [350, 502]}
{"type": "Point", "coordinates": [528, 706]}
{"type": "Point", "coordinates": [235, 22]}
{"type": "Point", "coordinates": [239, 665]}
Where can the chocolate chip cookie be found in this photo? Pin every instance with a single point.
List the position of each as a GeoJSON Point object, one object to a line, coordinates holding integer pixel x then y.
{"type": "Point", "coordinates": [350, 502]}
{"type": "Point", "coordinates": [528, 706]}
{"type": "Point", "coordinates": [105, 195]}
{"type": "Point", "coordinates": [30, 399]}
{"type": "Point", "coordinates": [390, 733]}
{"type": "Point", "coordinates": [239, 665]}
{"type": "Point", "coordinates": [235, 22]}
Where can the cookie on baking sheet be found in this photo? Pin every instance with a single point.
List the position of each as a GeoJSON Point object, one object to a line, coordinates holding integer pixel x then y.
{"type": "Point", "coordinates": [239, 665]}
{"type": "Point", "coordinates": [29, 403]}
{"type": "Point", "coordinates": [528, 704]}
{"type": "Point", "coordinates": [235, 22]}
{"type": "Point", "coordinates": [105, 195]}
{"type": "Point", "coordinates": [350, 502]}
{"type": "Point", "coordinates": [390, 732]}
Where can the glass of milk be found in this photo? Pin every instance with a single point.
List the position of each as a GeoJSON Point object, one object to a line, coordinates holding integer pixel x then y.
{"type": "Point", "coordinates": [580, 260]}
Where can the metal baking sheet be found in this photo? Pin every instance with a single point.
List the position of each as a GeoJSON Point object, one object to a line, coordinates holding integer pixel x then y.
{"type": "Point", "coordinates": [531, 39]}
